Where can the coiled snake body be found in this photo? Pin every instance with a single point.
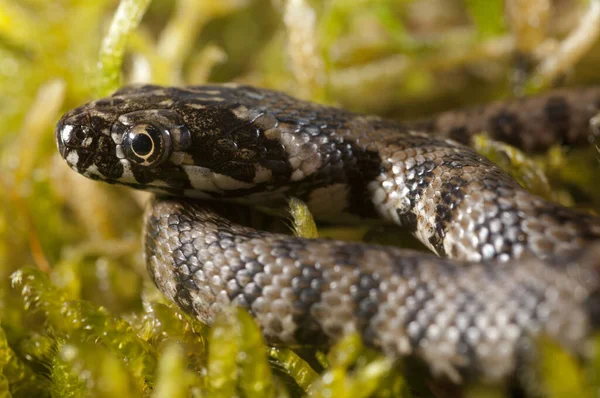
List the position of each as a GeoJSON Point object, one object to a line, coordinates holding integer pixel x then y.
{"type": "Point", "coordinates": [512, 265]}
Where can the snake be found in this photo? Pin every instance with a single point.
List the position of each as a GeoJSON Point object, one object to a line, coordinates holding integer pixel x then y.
{"type": "Point", "coordinates": [505, 266]}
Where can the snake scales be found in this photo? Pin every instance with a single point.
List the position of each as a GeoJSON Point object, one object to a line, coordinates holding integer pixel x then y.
{"type": "Point", "coordinates": [511, 265]}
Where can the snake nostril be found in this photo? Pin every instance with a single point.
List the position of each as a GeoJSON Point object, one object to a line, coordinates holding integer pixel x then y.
{"type": "Point", "coordinates": [74, 136]}
{"type": "Point", "coordinates": [80, 134]}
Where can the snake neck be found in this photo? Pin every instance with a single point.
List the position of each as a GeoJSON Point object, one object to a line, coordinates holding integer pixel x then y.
{"type": "Point", "coordinates": [455, 201]}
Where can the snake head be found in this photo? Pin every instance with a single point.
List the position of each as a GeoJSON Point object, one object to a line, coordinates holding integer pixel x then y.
{"type": "Point", "coordinates": [205, 141]}
{"type": "Point", "coordinates": [128, 138]}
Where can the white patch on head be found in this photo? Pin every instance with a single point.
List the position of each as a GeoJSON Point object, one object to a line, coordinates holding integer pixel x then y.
{"type": "Point", "coordinates": [119, 152]}
{"type": "Point", "coordinates": [117, 138]}
{"type": "Point", "coordinates": [177, 138]}
{"type": "Point", "coordinates": [166, 103]}
{"type": "Point", "coordinates": [241, 112]}
{"type": "Point", "coordinates": [206, 180]}
{"type": "Point", "coordinates": [87, 142]}
{"type": "Point", "coordinates": [195, 106]}
{"type": "Point", "coordinates": [253, 95]}
{"type": "Point", "coordinates": [65, 133]}
{"type": "Point", "coordinates": [200, 90]}
{"type": "Point", "coordinates": [227, 183]}
{"type": "Point", "coordinates": [129, 119]}
{"type": "Point", "coordinates": [210, 92]}
{"type": "Point", "coordinates": [72, 158]}
{"type": "Point", "coordinates": [92, 170]}
{"type": "Point", "coordinates": [200, 178]}
{"type": "Point", "coordinates": [209, 99]}
{"type": "Point", "coordinates": [127, 175]}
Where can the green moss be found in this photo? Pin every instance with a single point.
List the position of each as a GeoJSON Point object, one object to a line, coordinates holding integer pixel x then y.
{"type": "Point", "coordinates": [238, 357]}
{"type": "Point", "coordinates": [303, 223]}
{"type": "Point", "coordinates": [560, 374]}
{"type": "Point", "coordinates": [486, 15]}
{"type": "Point", "coordinates": [90, 369]}
{"type": "Point", "coordinates": [15, 376]}
{"type": "Point", "coordinates": [353, 372]}
{"type": "Point", "coordinates": [161, 324]}
{"type": "Point", "coordinates": [300, 371]}
{"type": "Point", "coordinates": [174, 379]}
{"type": "Point", "coordinates": [82, 321]}
{"type": "Point", "coordinates": [81, 317]}
{"type": "Point", "coordinates": [127, 17]}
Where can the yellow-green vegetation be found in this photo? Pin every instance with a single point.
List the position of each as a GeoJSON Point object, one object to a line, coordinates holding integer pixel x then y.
{"type": "Point", "coordinates": [78, 314]}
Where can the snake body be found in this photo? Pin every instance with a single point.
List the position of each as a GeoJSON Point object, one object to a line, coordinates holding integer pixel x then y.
{"type": "Point", "coordinates": [512, 265]}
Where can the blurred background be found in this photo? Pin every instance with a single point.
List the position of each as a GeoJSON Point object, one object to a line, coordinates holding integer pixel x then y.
{"type": "Point", "coordinates": [74, 244]}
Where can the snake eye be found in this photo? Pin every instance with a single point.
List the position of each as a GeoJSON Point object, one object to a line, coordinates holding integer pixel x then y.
{"type": "Point", "coordinates": [147, 144]}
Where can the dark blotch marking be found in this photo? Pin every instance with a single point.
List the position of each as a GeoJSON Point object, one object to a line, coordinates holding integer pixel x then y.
{"type": "Point", "coordinates": [173, 175]}
{"type": "Point", "coordinates": [247, 289]}
{"type": "Point", "coordinates": [183, 298]}
{"type": "Point", "coordinates": [110, 102]}
{"type": "Point", "coordinates": [506, 126]}
{"type": "Point", "coordinates": [466, 348]}
{"type": "Point", "coordinates": [184, 284]}
{"type": "Point", "coordinates": [408, 268]}
{"type": "Point", "coordinates": [558, 116]}
{"type": "Point", "coordinates": [232, 146]}
{"type": "Point", "coordinates": [451, 193]}
{"type": "Point", "coordinates": [460, 134]}
{"type": "Point", "coordinates": [85, 160]}
{"type": "Point", "coordinates": [408, 220]}
{"type": "Point", "coordinates": [367, 298]}
{"type": "Point", "coordinates": [583, 222]}
{"type": "Point", "coordinates": [368, 166]}
{"type": "Point", "coordinates": [151, 238]}
{"type": "Point", "coordinates": [99, 123]}
{"type": "Point", "coordinates": [110, 169]}
{"type": "Point", "coordinates": [307, 288]}
{"type": "Point", "coordinates": [104, 145]}
{"type": "Point", "coordinates": [592, 307]}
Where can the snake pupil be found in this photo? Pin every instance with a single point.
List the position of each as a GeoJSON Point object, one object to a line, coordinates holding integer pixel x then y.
{"type": "Point", "coordinates": [146, 144]}
{"type": "Point", "coordinates": [142, 144]}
